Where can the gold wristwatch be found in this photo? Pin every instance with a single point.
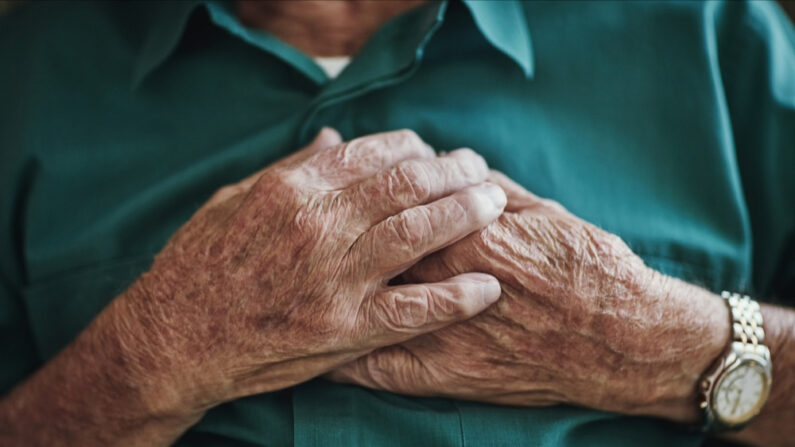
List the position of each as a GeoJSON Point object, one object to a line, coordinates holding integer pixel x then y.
{"type": "Point", "coordinates": [736, 387]}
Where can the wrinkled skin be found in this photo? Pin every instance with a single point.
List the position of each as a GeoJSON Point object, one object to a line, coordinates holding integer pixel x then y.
{"type": "Point", "coordinates": [275, 280]}
{"type": "Point", "coordinates": [283, 276]}
{"type": "Point", "coordinates": [581, 320]}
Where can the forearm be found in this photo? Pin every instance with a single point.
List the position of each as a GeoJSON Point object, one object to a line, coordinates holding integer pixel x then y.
{"type": "Point", "coordinates": [94, 392]}
{"type": "Point", "coordinates": [774, 425]}
{"type": "Point", "coordinates": [690, 328]}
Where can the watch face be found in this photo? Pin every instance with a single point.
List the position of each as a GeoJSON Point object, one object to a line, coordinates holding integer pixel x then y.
{"type": "Point", "coordinates": [741, 393]}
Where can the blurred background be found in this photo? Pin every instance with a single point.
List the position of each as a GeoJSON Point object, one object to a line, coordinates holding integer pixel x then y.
{"type": "Point", "coordinates": [5, 4]}
{"type": "Point", "coordinates": [789, 6]}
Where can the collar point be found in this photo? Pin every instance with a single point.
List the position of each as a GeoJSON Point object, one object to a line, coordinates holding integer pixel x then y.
{"type": "Point", "coordinates": [529, 71]}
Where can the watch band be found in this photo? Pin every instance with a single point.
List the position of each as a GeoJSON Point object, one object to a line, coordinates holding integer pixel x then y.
{"type": "Point", "coordinates": [747, 323]}
{"type": "Point", "coordinates": [747, 338]}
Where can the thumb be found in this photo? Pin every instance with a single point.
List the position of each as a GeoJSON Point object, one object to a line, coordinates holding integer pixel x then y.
{"type": "Point", "coordinates": [402, 312]}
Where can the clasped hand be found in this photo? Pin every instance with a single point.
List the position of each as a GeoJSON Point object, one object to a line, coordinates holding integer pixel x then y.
{"type": "Point", "coordinates": [283, 276]}
{"type": "Point", "coordinates": [581, 321]}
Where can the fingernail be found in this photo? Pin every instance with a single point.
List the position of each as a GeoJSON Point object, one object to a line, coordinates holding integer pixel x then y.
{"type": "Point", "coordinates": [495, 194]}
{"type": "Point", "coordinates": [491, 287]}
{"type": "Point", "coordinates": [482, 277]}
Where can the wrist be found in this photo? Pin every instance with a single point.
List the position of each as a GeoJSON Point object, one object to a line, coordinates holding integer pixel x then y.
{"type": "Point", "coordinates": [97, 391]}
{"type": "Point", "coordinates": [157, 359]}
{"type": "Point", "coordinates": [695, 324]}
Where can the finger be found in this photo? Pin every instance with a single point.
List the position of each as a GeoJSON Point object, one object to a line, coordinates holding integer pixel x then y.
{"type": "Point", "coordinates": [402, 312]}
{"type": "Point", "coordinates": [392, 369]}
{"type": "Point", "coordinates": [405, 238]}
{"type": "Point", "coordinates": [325, 138]}
{"type": "Point", "coordinates": [414, 182]}
{"type": "Point", "coordinates": [358, 159]}
{"type": "Point", "coordinates": [518, 197]}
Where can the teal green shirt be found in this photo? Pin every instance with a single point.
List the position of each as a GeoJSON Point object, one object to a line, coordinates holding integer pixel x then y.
{"type": "Point", "coordinates": [670, 124]}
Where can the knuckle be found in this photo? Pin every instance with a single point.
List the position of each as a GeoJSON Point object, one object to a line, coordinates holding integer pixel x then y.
{"type": "Point", "coordinates": [410, 183]}
{"type": "Point", "coordinates": [458, 210]}
{"type": "Point", "coordinates": [472, 165]}
{"type": "Point", "coordinates": [609, 244]}
{"type": "Point", "coordinates": [412, 230]}
{"type": "Point", "coordinates": [387, 372]}
{"type": "Point", "coordinates": [281, 181]}
{"type": "Point", "coordinates": [399, 311]}
{"type": "Point", "coordinates": [399, 372]}
{"type": "Point", "coordinates": [378, 372]}
{"type": "Point", "coordinates": [306, 225]}
{"type": "Point", "coordinates": [409, 139]}
{"type": "Point", "coordinates": [469, 205]}
{"type": "Point", "coordinates": [363, 145]}
{"type": "Point", "coordinates": [363, 151]}
{"type": "Point", "coordinates": [452, 303]}
{"type": "Point", "coordinates": [226, 192]}
{"type": "Point", "coordinates": [466, 200]}
{"type": "Point", "coordinates": [469, 156]}
{"type": "Point", "coordinates": [468, 152]}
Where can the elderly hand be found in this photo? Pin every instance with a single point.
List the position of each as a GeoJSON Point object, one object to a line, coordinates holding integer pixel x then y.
{"type": "Point", "coordinates": [275, 280]}
{"type": "Point", "coordinates": [283, 276]}
{"type": "Point", "coordinates": [581, 320]}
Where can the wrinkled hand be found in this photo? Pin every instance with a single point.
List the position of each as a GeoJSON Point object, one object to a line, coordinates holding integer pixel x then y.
{"type": "Point", "coordinates": [283, 276]}
{"type": "Point", "coordinates": [581, 320]}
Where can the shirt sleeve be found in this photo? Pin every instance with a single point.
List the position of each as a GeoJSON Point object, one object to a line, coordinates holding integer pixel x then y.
{"type": "Point", "coordinates": [756, 49]}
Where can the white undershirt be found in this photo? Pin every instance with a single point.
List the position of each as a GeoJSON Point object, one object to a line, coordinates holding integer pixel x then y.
{"type": "Point", "coordinates": [333, 66]}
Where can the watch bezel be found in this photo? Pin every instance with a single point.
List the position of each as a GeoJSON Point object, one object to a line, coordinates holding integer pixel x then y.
{"type": "Point", "coordinates": [734, 362]}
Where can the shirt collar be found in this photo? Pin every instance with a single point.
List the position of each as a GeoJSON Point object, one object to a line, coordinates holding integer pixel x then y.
{"type": "Point", "coordinates": [166, 23]}
{"type": "Point", "coordinates": [502, 23]}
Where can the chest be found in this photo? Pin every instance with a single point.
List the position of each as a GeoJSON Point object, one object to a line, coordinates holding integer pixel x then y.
{"type": "Point", "coordinates": [112, 181]}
